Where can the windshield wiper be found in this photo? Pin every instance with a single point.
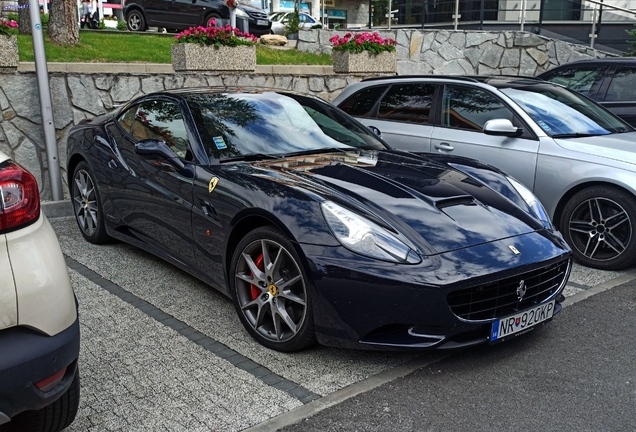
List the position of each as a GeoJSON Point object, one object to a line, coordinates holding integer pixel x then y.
{"type": "Point", "coordinates": [577, 135]}
{"type": "Point", "coordinates": [250, 157]}
{"type": "Point", "coordinates": [321, 150]}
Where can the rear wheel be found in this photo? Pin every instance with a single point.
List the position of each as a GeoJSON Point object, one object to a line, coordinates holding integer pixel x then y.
{"type": "Point", "coordinates": [598, 223]}
{"type": "Point", "coordinates": [87, 205]}
{"type": "Point", "coordinates": [135, 21]}
{"type": "Point", "coordinates": [52, 418]}
{"type": "Point", "coordinates": [271, 292]}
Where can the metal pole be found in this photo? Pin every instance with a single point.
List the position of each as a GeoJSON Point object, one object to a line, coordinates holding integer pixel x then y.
{"type": "Point", "coordinates": [456, 13]}
{"type": "Point", "coordinates": [370, 14]}
{"type": "Point", "coordinates": [593, 35]}
{"type": "Point", "coordinates": [390, 14]}
{"type": "Point", "coordinates": [481, 15]}
{"type": "Point", "coordinates": [45, 102]}
{"type": "Point", "coordinates": [541, 7]}
{"type": "Point", "coordinates": [523, 13]}
{"type": "Point", "coordinates": [324, 20]}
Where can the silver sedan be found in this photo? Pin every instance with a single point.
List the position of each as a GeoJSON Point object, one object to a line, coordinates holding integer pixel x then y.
{"type": "Point", "coordinates": [577, 157]}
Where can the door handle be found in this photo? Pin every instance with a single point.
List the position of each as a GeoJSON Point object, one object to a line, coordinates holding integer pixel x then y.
{"type": "Point", "coordinates": [444, 146]}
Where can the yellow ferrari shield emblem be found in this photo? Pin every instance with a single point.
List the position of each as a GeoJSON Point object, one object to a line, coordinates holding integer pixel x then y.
{"type": "Point", "coordinates": [272, 289]}
{"type": "Point", "coordinates": [212, 184]}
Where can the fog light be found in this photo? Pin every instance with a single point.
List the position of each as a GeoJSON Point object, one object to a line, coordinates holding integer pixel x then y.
{"type": "Point", "coordinates": [50, 383]}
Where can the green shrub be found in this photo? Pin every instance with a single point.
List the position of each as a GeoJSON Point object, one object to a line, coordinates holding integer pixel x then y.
{"type": "Point", "coordinates": [121, 26]}
{"type": "Point", "coordinates": [12, 17]}
{"type": "Point", "coordinates": [44, 18]}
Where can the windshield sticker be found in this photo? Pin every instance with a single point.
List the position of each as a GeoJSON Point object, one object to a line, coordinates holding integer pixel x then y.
{"type": "Point", "coordinates": [220, 142]}
{"type": "Point", "coordinates": [544, 125]}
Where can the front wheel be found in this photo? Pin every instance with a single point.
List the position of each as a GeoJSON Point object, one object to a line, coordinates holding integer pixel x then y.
{"type": "Point", "coordinates": [135, 21]}
{"type": "Point", "coordinates": [598, 223]}
{"type": "Point", "coordinates": [271, 292]}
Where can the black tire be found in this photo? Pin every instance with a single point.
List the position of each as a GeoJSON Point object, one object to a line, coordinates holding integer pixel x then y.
{"type": "Point", "coordinates": [598, 223]}
{"type": "Point", "coordinates": [275, 304]}
{"type": "Point", "coordinates": [52, 418]}
{"type": "Point", "coordinates": [87, 205]}
{"type": "Point", "coordinates": [212, 16]}
{"type": "Point", "coordinates": [135, 21]}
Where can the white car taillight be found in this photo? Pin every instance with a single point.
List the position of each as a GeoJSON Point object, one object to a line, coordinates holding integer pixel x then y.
{"type": "Point", "coordinates": [19, 197]}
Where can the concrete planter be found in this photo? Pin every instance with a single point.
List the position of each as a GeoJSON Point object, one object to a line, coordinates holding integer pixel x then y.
{"type": "Point", "coordinates": [195, 57]}
{"type": "Point", "coordinates": [9, 53]}
{"type": "Point", "coordinates": [364, 62]}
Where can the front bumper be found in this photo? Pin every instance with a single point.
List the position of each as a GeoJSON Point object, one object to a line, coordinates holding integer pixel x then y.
{"type": "Point", "coordinates": [369, 304]}
{"type": "Point", "coordinates": [29, 357]}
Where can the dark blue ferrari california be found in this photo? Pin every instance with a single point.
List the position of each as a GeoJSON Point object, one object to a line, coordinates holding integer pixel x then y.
{"type": "Point", "coordinates": [316, 229]}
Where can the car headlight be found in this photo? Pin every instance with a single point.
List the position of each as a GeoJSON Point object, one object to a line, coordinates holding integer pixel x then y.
{"type": "Point", "coordinates": [241, 13]}
{"type": "Point", "coordinates": [365, 237]}
{"type": "Point", "coordinates": [533, 203]}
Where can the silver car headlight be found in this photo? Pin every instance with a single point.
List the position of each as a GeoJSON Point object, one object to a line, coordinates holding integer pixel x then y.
{"type": "Point", "coordinates": [241, 13]}
{"type": "Point", "coordinates": [533, 203]}
{"type": "Point", "coordinates": [365, 237]}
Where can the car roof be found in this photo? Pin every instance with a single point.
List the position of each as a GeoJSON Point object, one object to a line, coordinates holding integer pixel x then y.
{"type": "Point", "coordinates": [598, 61]}
{"type": "Point", "coordinates": [493, 80]}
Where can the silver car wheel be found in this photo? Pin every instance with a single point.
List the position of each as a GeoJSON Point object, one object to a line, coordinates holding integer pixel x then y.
{"type": "Point", "coordinates": [600, 229]}
{"type": "Point", "coordinates": [271, 290]}
{"type": "Point", "coordinates": [85, 202]}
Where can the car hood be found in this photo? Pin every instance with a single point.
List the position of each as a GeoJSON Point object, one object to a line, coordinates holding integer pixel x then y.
{"type": "Point", "coordinates": [435, 206]}
{"type": "Point", "coordinates": [617, 146]}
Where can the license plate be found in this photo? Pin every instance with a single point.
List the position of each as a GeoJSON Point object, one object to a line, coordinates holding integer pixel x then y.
{"type": "Point", "coordinates": [521, 321]}
{"type": "Point", "coordinates": [262, 22]}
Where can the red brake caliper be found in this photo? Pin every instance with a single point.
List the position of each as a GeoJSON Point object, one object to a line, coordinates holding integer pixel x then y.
{"type": "Point", "coordinates": [254, 290]}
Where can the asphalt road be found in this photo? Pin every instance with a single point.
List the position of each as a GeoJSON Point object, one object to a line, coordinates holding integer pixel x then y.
{"type": "Point", "coordinates": [578, 374]}
{"type": "Point", "coordinates": [161, 351]}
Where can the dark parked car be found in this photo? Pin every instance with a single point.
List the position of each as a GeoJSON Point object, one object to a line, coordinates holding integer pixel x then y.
{"type": "Point", "coordinates": [609, 81]}
{"type": "Point", "coordinates": [183, 14]}
{"type": "Point", "coordinates": [577, 157]}
{"type": "Point", "coordinates": [313, 226]}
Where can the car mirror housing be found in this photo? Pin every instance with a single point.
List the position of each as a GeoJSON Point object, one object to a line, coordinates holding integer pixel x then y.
{"type": "Point", "coordinates": [158, 148]}
{"type": "Point", "coordinates": [501, 127]}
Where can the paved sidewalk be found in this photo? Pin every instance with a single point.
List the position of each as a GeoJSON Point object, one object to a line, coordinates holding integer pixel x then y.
{"type": "Point", "coordinates": [162, 351]}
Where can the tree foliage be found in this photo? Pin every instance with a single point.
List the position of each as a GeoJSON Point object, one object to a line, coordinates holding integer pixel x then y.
{"type": "Point", "coordinates": [632, 43]}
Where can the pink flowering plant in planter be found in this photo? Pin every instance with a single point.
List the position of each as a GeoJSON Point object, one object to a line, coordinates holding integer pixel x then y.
{"type": "Point", "coordinates": [360, 42]}
{"type": "Point", "coordinates": [8, 28]}
{"type": "Point", "coordinates": [216, 36]}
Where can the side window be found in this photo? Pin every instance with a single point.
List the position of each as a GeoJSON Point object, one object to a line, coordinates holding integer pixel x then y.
{"type": "Point", "coordinates": [362, 102]}
{"type": "Point", "coordinates": [126, 118]}
{"type": "Point", "coordinates": [623, 85]}
{"type": "Point", "coordinates": [580, 79]}
{"type": "Point", "coordinates": [470, 108]}
{"type": "Point", "coordinates": [162, 120]}
{"type": "Point", "coordinates": [407, 103]}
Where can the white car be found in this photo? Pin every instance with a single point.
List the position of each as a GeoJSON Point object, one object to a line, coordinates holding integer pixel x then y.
{"type": "Point", "coordinates": [39, 326]}
{"type": "Point", "coordinates": [279, 21]}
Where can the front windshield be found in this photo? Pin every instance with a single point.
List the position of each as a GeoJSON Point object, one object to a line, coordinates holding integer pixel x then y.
{"type": "Point", "coordinates": [563, 113]}
{"type": "Point", "coordinates": [243, 124]}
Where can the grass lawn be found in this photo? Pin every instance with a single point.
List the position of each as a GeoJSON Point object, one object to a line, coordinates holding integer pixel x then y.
{"type": "Point", "coordinates": [124, 47]}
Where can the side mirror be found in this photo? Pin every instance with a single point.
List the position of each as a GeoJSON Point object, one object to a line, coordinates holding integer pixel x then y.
{"type": "Point", "coordinates": [501, 127]}
{"type": "Point", "coordinates": [155, 147]}
{"type": "Point", "coordinates": [375, 130]}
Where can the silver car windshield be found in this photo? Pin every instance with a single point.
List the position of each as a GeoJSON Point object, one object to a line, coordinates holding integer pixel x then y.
{"type": "Point", "coordinates": [562, 113]}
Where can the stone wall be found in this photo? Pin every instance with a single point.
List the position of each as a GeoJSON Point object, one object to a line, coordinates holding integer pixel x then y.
{"type": "Point", "coordinates": [79, 96]}
{"type": "Point", "coordinates": [448, 52]}
{"type": "Point", "coordinates": [84, 91]}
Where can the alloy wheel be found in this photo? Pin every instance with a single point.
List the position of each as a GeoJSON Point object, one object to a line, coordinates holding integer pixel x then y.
{"type": "Point", "coordinates": [85, 202]}
{"type": "Point", "coordinates": [600, 229]}
{"type": "Point", "coordinates": [271, 290]}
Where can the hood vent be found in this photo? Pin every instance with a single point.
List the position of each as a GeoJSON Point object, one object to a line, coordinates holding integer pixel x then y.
{"type": "Point", "coordinates": [455, 201]}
